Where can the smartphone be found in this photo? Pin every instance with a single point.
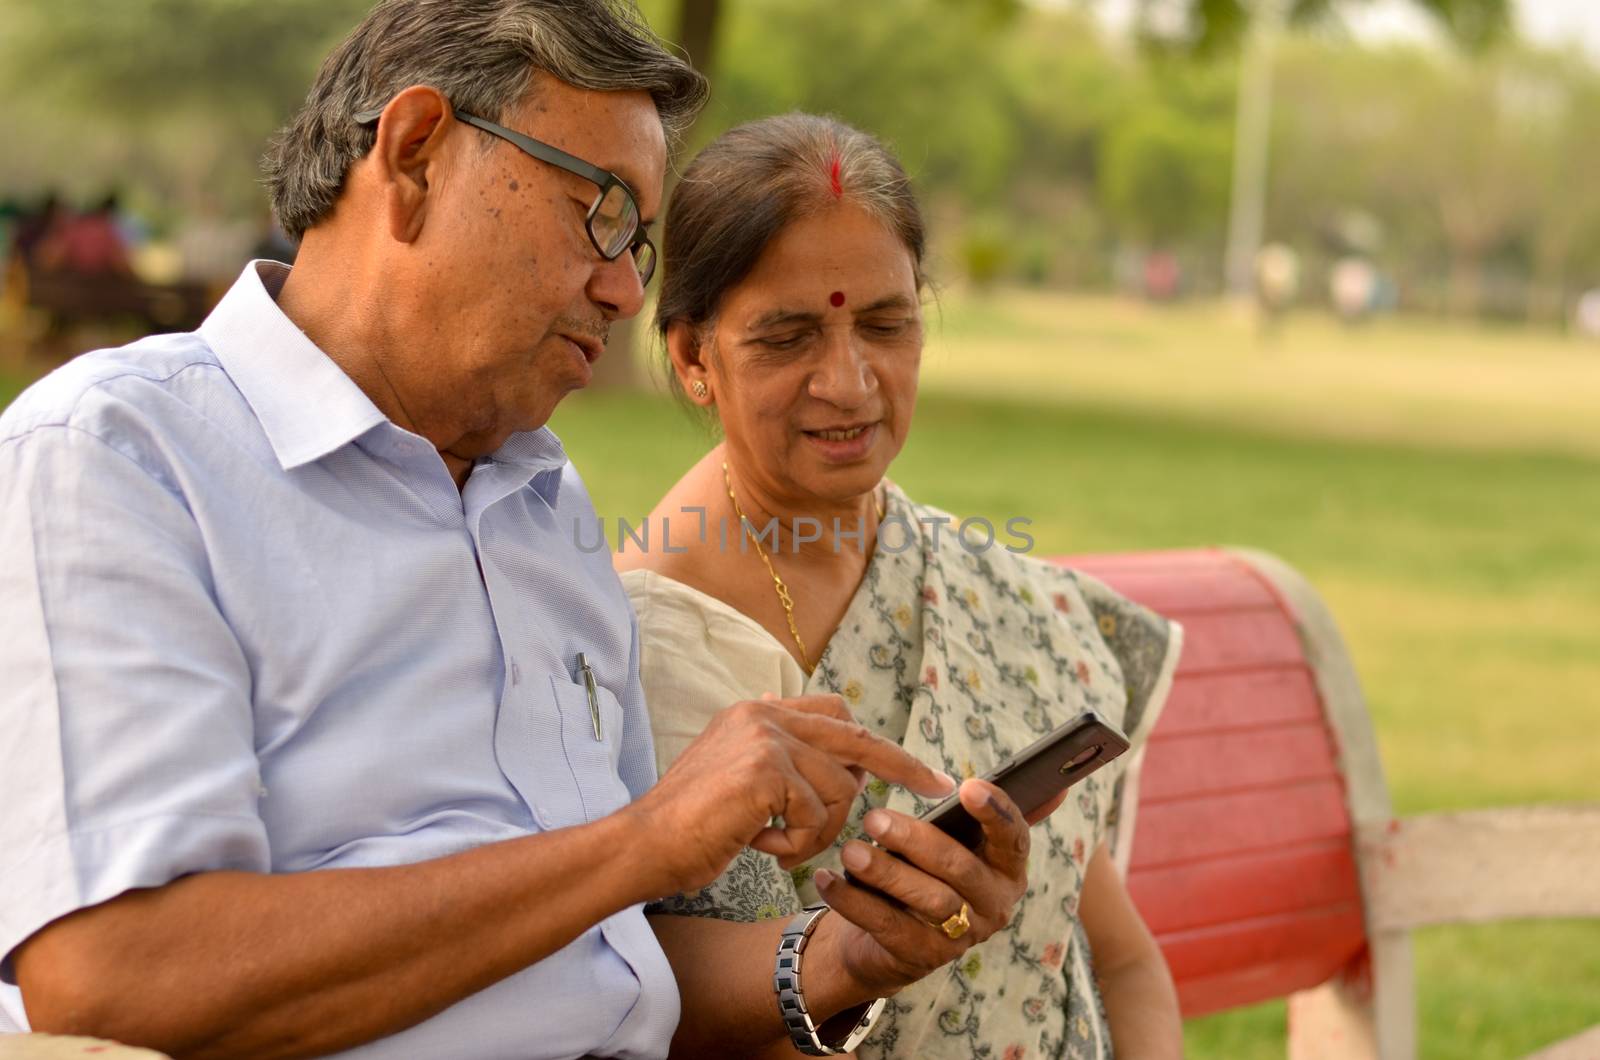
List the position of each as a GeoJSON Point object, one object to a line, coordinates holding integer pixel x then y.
{"type": "Point", "coordinates": [1037, 774]}
{"type": "Point", "coordinates": [1032, 777]}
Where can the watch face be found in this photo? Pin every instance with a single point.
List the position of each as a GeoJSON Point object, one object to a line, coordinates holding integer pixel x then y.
{"type": "Point", "coordinates": [864, 1027]}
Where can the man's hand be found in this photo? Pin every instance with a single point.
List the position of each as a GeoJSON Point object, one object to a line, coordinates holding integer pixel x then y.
{"type": "Point", "coordinates": [885, 947]}
{"type": "Point", "coordinates": [801, 759]}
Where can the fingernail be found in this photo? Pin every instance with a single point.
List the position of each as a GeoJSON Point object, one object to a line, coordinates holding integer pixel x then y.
{"type": "Point", "coordinates": [876, 823]}
{"type": "Point", "coordinates": [854, 856]}
{"type": "Point", "coordinates": [949, 781]}
{"type": "Point", "coordinates": [822, 878]}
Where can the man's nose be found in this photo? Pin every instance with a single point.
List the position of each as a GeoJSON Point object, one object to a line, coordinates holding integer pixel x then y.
{"type": "Point", "coordinates": [845, 378]}
{"type": "Point", "coordinates": [615, 287]}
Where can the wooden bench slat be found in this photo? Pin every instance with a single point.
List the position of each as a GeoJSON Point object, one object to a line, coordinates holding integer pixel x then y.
{"type": "Point", "coordinates": [1205, 994]}
{"type": "Point", "coordinates": [1582, 1046]}
{"type": "Point", "coordinates": [1182, 562]}
{"type": "Point", "coordinates": [1209, 827]}
{"type": "Point", "coordinates": [1239, 640]}
{"type": "Point", "coordinates": [1302, 877]}
{"type": "Point", "coordinates": [1283, 953]}
{"type": "Point", "coordinates": [1239, 699]}
{"type": "Point", "coordinates": [1222, 588]}
{"type": "Point", "coordinates": [1532, 861]}
{"type": "Point", "coordinates": [1211, 763]}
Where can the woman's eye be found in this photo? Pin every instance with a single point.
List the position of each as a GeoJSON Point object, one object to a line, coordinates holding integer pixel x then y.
{"type": "Point", "coordinates": [783, 342]}
{"type": "Point", "coordinates": [885, 328]}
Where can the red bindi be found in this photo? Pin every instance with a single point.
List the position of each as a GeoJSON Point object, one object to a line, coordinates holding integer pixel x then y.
{"type": "Point", "coordinates": [836, 299]}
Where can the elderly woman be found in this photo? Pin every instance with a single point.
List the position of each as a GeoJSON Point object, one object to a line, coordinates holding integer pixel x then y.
{"type": "Point", "coordinates": [791, 310]}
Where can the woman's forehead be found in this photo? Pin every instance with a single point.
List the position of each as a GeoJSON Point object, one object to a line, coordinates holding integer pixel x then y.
{"type": "Point", "coordinates": [811, 263]}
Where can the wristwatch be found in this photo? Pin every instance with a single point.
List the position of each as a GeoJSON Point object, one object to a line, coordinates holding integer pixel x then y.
{"type": "Point", "coordinates": [839, 1033]}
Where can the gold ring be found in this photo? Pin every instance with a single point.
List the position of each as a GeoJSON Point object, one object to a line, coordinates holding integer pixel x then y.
{"type": "Point", "coordinates": [956, 926]}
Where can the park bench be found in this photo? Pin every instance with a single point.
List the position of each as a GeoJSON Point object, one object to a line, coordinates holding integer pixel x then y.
{"type": "Point", "coordinates": [1264, 855]}
{"type": "Point", "coordinates": [67, 298]}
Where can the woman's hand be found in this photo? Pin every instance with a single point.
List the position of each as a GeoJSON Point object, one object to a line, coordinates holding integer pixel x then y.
{"type": "Point", "coordinates": [802, 759]}
{"type": "Point", "coordinates": [885, 947]}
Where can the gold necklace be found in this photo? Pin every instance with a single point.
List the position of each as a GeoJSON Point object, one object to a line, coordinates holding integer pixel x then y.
{"type": "Point", "coordinates": [777, 583]}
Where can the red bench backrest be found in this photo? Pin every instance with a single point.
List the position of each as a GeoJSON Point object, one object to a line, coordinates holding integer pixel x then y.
{"type": "Point", "coordinates": [1242, 860]}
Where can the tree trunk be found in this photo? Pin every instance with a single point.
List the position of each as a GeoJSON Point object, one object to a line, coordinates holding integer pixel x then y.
{"type": "Point", "coordinates": [622, 367]}
{"type": "Point", "coordinates": [1252, 133]}
{"type": "Point", "coordinates": [697, 31]}
{"type": "Point", "coordinates": [1547, 302]}
{"type": "Point", "coordinates": [1466, 283]}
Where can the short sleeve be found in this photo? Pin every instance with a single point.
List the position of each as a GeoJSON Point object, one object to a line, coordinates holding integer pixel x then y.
{"type": "Point", "coordinates": [1146, 647]}
{"type": "Point", "coordinates": [127, 752]}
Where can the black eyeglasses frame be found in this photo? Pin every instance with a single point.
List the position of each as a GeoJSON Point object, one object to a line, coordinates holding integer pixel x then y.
{"type": "Point", "coordinates": [603, 179]}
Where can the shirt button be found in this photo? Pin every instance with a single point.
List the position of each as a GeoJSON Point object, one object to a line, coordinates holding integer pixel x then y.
{"type": "Point", "coordinates": [516, 674]}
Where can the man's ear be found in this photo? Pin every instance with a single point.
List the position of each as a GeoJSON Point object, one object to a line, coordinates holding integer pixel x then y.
{"type": "Point", "coordinates": [690, 362]}
{"type": "Point", "coordinates": [406, 154]}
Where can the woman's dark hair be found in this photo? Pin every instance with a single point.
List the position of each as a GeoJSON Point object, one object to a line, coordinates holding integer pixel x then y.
{"type": "Point", "coordinates": [757, 179]}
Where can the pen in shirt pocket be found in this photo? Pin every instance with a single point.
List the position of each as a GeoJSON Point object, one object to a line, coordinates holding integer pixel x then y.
{"type": "Point", "coordinates": [587, 672]}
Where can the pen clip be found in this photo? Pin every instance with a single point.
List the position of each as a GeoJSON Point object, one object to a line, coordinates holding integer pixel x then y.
{"type": "Point", "coordinates": [587, 673]}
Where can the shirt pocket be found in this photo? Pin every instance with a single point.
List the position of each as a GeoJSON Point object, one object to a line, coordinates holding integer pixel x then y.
{"type": "Point", "coordinates": [596, 787]}
{"type": "Point", "coordinates": [547, 749]}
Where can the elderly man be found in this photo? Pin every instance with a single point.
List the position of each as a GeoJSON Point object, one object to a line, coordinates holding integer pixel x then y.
{"type": "Point", "coordinates": [318, 731]}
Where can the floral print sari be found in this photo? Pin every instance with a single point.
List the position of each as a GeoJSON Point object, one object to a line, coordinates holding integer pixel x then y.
{"type": "Point", "coordinates": [965, 657]}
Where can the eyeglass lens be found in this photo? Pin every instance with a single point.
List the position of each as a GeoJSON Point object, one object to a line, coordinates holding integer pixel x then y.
{"type": "Point", "coordinates": [615, 224]}
{"type": "Point", "coordinates": [615, 220]}
{"type": "Point", "coordinates": [644, 259]}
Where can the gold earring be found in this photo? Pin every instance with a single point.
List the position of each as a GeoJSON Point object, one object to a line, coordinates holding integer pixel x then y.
{"type": "Point", "coordinates": [699, 389]}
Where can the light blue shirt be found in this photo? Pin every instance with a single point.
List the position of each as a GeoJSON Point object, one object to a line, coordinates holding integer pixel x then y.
{"type": "Point", "coordinates": [244, 628]}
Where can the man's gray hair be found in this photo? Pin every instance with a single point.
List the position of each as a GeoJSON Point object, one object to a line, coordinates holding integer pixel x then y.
{"type": "Point", "coordinates": [482, 55]}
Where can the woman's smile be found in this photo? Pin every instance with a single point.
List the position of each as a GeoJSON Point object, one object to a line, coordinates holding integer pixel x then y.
{"type": "Point", "coordinates": [843, 446]}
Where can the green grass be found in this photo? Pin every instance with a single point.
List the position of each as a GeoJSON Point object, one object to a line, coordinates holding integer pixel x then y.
{"type": "Point", "coordinates": [11, 384]}
{"type": "Point", "coordinates": [1437, 484]}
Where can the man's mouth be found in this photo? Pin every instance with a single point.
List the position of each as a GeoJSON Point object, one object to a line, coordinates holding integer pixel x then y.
{"type": "Point", "coordinates": [590, 347]}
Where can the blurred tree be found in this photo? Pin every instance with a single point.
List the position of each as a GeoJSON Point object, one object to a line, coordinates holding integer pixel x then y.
{"type": "Point", "coordinates": [1013, 117]}
{"type": "Point", "coordinates": [697, 25]}
{"type": "Point", "coordinates": [1566, 185]}
{"type": "Point", "coordinates": [1471, 172]}
{"type": "Point", "coordinates": [130, 58]}
{"type": "Point", "coordinates": [1165, 178]}
{"type": "Point", "coordinates": [926, 75]}
{"type": "Point", "coordinates": [210, 77]}
{"type": "Point", "coordinates": [1209, 25]}
{"type": "Point", "coordinates": [1219, 25]}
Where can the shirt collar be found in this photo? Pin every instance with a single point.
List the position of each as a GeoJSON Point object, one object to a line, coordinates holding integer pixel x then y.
{"type": "Point", "coordinates": [533, 458]}
{"type": "Point", "coordinates": [535, 451]}
{"type": "Point", "coordinates": [306, 404]}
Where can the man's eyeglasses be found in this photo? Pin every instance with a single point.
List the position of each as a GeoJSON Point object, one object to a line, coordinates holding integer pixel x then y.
{"type": "Point", "coordinates": [613, 220]}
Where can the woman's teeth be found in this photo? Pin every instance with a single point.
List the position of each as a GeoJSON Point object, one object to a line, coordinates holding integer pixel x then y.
{"type": "Point", "coordinates": [839, 436]}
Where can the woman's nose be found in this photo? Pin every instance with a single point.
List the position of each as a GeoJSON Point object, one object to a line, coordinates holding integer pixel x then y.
{"type": "Point", "coordinates": [845, 377]}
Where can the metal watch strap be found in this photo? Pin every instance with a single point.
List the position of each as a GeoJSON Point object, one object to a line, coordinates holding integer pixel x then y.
{"type": "Point", "coordinates": [805, 1035]}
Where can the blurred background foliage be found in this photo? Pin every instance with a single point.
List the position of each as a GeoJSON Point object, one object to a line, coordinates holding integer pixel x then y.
{"type": "Point", "coordinates": [1046, 149]}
